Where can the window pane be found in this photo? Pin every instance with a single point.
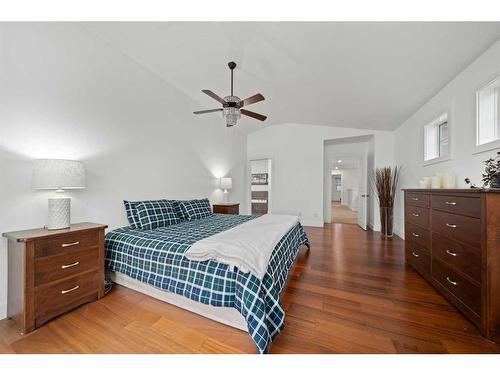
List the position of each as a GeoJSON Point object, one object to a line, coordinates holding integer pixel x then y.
{"type": "Point", "coordinates": [488, 127]}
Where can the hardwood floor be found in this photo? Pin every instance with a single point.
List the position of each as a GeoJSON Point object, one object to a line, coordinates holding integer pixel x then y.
{"type": "Point", "coordinates": [350, 294]}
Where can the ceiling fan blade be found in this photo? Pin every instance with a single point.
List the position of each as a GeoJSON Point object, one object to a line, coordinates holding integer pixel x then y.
{"type": "Point", "coordinates": [257, 116]}
{"type": "Point", "coordinates": [214, 96]}
{"type": "Point", "coordinates": [207, 111]}
{"type": "Point", "coordinates": [253, 99]}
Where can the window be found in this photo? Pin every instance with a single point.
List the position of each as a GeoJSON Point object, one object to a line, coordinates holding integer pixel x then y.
{"type": "Point", "coordinates": [437, 139]}
{"type": "Point", "coordinates": [488, 105]}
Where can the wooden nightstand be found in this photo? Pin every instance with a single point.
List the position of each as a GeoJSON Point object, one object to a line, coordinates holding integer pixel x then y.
{"type": "Point", "coordinates": [53, 271]}
{"type": "Point", "coordinates": [227, 208]}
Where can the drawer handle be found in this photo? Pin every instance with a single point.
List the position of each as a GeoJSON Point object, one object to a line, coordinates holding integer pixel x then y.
{"type": "Point", "coordinates": [450, 253]}
{"type": "Point", "coordinates": [451, 225]}
{"type": "Point", "coordinates": [414, 254]}
{"type": "Point", "coordinates": [64, 266]}
{"type": "Point", "coordinates": [451, 281]}
{"type": "Point", "coordinates": [416, 215]}
{"type": "Point", "coordinates": [451, 203]}
{"type": "Point", "coordinates": [70, 290]}
{"type": "Point", "coordinates": [415, 199]}
{"type": "Point", "coordinates": [70, 244]}
{"type": "Point", "coordinates": [415, 235]}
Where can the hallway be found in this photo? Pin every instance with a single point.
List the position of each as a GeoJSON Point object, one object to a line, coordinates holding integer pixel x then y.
{"type": "Point", "coordinates": [343, 214]}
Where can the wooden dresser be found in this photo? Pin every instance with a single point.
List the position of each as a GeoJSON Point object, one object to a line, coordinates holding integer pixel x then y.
{"type": "Point", "coordinates": [227, 208]}
{"type": "Point", "coordinates": [53, 271]}
{"type": "Point", "coordinates": [452, 238]}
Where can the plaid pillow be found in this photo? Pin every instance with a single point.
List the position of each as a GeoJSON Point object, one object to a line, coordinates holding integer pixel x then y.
{"type": "Point", "coordinates": [154, 214]}
{"type": "Point", "coordinates": [131, 209]}
{"type": "Point", "coordinates": [195, 209]}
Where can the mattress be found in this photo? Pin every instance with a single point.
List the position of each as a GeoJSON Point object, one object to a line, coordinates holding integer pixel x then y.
{"type": "Point", "coordinates": [156, 257]}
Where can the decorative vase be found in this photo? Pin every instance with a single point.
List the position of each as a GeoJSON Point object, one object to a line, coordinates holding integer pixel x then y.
{"type": "Point", "coordinates": [495, 181]}
{"type": "Point", "coordinates": [386, 221]}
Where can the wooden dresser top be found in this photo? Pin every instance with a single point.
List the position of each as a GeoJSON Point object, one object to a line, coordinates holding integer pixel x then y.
{"type": "Point", "coordinates": [478, 190]}
{"type": "Point", "coordinates": [40, 233]}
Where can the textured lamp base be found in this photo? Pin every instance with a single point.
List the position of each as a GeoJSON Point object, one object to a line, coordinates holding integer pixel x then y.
{"type": "Point", "coordinates": [59, 213]}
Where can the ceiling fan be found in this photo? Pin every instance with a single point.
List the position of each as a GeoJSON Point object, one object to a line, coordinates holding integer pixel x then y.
{"type": "Point", "coordinates": [232, 106]}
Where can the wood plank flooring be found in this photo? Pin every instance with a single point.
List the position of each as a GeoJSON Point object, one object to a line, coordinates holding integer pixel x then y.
{"type": "Point", "coordinates": [351, 293]}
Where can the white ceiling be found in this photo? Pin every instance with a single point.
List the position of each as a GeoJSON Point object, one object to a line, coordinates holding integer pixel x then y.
{"type": "Point", "coordinates": [360, 75]}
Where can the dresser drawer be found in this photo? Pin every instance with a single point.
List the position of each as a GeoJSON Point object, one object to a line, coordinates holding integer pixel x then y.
{"type": "Point", "coordinates": [470, 206]}
{"type": "Point", "coordinates": [60, 297]}
{"type": "Point", "coordinates": [417, 199]}
{"type": "Point", "coordinates": [64, 243]}
{"type": "Point", "coordinates": [465, 259]}
{"type": "Point", "coordinates": [418, 235]}
{"type": "Point", "coordinates": [419, 258]}
{"type": "Point", "coordinates": [461, 288]}
{"type": "Point", "coordinates": [57, 267]}
{"type": "Point", "coordinates": [418, 215]}
{"type": "Point", "coordinates": [461, 228]}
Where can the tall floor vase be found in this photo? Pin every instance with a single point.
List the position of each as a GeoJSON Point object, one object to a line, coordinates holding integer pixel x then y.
{"type": "Point", "coordinates": [386, 221]}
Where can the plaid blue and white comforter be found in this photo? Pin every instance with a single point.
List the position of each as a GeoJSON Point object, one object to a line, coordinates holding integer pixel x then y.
{"type": "Point", "coordinates": [156, 257]}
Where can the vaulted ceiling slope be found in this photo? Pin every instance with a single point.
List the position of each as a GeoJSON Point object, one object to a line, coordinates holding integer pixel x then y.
{"type": "Point", "coordinates": [352, 74]}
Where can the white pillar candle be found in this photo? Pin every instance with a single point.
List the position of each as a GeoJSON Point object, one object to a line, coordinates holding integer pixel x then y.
{"type": "Point", "coordinates": [423, 184]}
{"type": "Point", "coordinates": [448, 180]}
{"type": "Point", "coordinates": [427, 181]}
{"type": "Point", "coordinates": [436, 182]}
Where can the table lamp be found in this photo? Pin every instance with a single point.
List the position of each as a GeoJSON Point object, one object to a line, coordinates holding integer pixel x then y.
{"type": "Point", "coordinates": [58, 175]}
{"type": "Point", "coordinates": [225, 184]}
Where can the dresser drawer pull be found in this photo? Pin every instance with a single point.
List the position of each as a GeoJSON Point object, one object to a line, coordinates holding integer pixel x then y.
{"type": "Point", "coordinates": [70, 244]}
{"type": "Point", "coordinates": [451, 225]}
{"type": "Point", "coordinates": [416, 215]}
{"type": "Point", "coordinates": [415, 199]}
{"type": "Point", "coordinates": [450, 253]}
{"type": "Point", "coordinates": [451, 203]}
{"type": "Point", "coordinates": [415, 235]}
{"type": "Point", "coordinates": [451, 281]}
{"type": "Point", "coordinates": [70, 290]}
{"type": "Point", "coordinates": [64, 266]}
{"type": "Point", "coordinates": [414, 254]}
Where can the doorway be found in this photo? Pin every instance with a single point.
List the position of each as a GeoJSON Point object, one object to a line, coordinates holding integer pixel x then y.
{"type": "Point", "coordinates": [345, 187]}
{"type": "Point", "coordinates": [260, 186]}
{"type": "Point", "coordinates": [347, 164]}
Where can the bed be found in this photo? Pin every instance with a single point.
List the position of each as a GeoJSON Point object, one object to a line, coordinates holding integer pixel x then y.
{"type": "Point", "coordinates": [154, 262]}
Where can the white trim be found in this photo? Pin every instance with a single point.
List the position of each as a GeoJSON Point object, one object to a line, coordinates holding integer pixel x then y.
{"type": "Point", "coordinates": [493, 145]}
{"type": "Point", "coordinates": [3, 311]}
{"type": "Point", "coordinates": [398, 232]}
{"type": "Point", "coordinates": [437, 160]}
{"type": "Point", "coordinates": [312, 223]}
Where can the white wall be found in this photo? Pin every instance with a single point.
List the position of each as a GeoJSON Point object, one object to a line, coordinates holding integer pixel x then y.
{"type": "Point", "coordinates": [66, 94]}
{"type": "Point", "coordinates": [298, 164]}
{"type": "Point", "coordinates": [350, 182]}
{"type": "Point", "coordinates": [458, 97]}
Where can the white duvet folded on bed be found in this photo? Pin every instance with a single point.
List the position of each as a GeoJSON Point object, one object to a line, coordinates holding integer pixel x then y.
{"type": "Point", "coordinates": [247, 246]}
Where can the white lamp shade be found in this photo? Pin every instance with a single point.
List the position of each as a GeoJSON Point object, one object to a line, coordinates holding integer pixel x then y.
{"type": "Point", "coordinates": [226, 183]}
{"type": "Point", "coordinates": [58, 174]}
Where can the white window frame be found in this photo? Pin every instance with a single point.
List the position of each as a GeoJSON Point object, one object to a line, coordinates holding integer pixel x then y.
{"type": "Point", "coordinates": [479, 148]}
{"type": "Point", "coordinates": [437, 121]}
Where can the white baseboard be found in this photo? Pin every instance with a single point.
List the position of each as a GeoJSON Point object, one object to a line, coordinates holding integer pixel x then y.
{"type": "Point", "coordinates": [312, 223]}
{"type": "Point", "coordinates": [3, 311]}
{"type": "Point", "coordinates": [398, 232]}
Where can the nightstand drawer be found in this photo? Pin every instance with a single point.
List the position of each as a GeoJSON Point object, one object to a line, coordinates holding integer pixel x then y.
{"type": "Point", "coordinates": [65, 243]}
{"type": "Point", "coordinates": [229, 209]}
{"type": "Point", "coordinates": [63, 296]}
{"type": "Point", "coordinates": [57, 267]}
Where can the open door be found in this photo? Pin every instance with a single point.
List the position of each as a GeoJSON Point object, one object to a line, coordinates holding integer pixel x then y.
{"type": "Point", "coordinates": [363, 193]}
